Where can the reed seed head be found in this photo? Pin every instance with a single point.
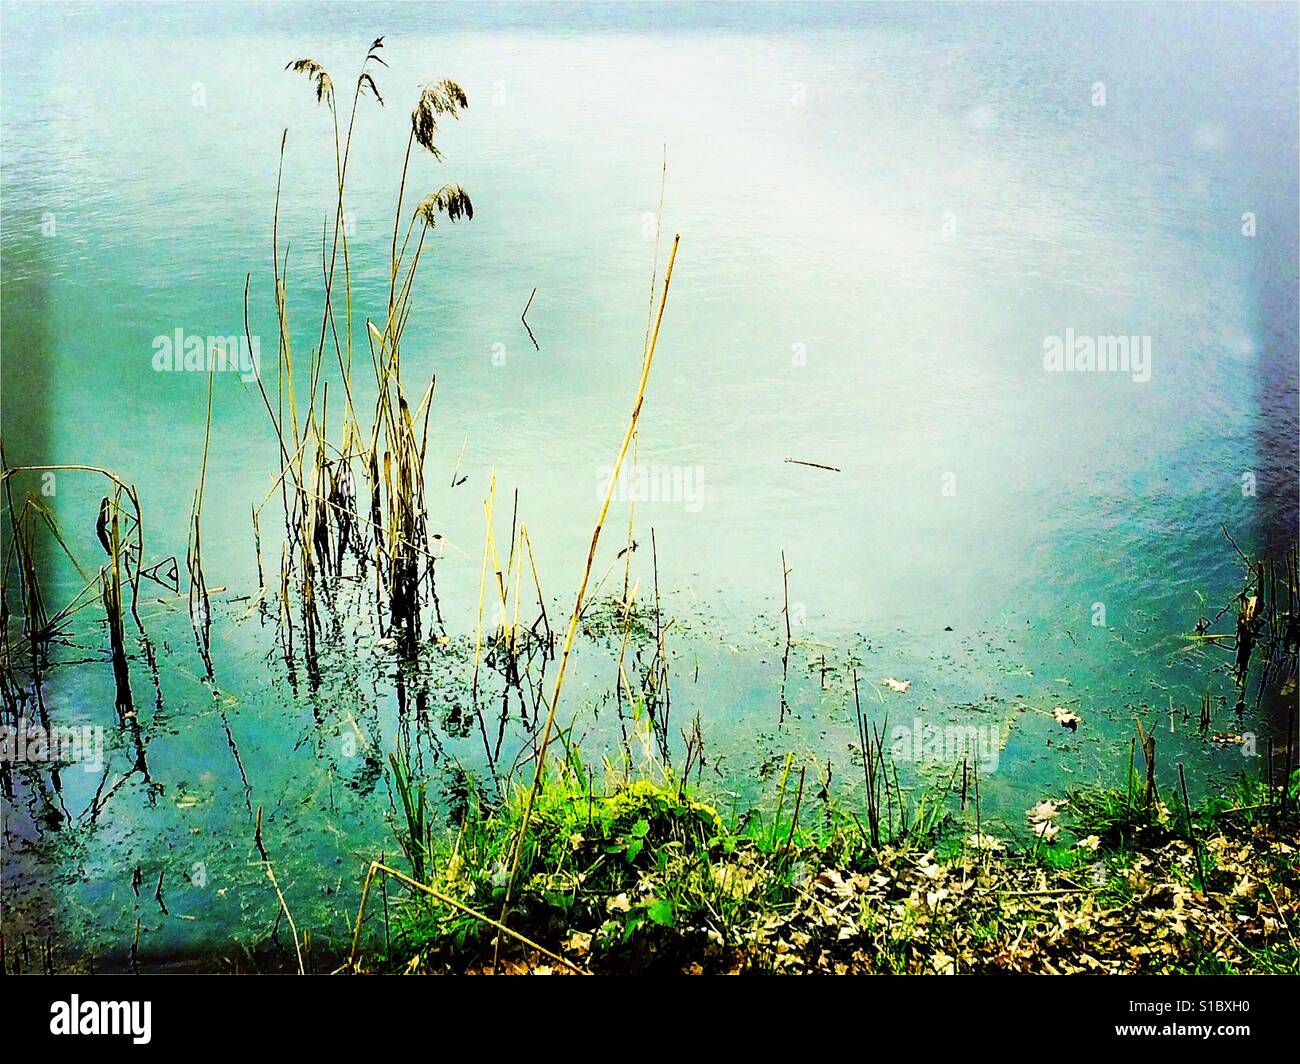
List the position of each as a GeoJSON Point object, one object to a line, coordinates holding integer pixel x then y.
{"type": "Point", "coordinates": [316, 72]}
{"type": "Point", "coordinates": [451, 200]}
{"type": "Point", "coordinates": [441, 98]}
{"type": "Point", "coordinates": [366, 81]}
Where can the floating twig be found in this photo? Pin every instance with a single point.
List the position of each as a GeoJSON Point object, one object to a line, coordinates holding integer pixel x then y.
{"type": "Point", "coordinates": [814, 465]}
{"type": "Point", "coordinates": [270, 874]}
{"type": "Point", "coordinates": [524, 318]}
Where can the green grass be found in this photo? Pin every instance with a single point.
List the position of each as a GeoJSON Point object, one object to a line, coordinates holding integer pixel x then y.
{"type": "Point", "coordinates": [634, 859]}
{"type": "Point", "coordinates": [637, 874]}
{"type": "Point", "coordinates": [1121, 820]}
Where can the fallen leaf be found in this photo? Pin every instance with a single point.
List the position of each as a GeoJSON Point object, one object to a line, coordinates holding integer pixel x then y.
{"type": "Point", "coordinates": [578, 943]}
{"type": "Point", "coordinates": [1066, 719]}
{"type": "Point", "coordinates": [1043, 811]}
{"type": "Point", "coordinates": [1047, 831]}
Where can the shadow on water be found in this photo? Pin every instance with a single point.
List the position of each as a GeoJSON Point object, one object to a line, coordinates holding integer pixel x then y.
{"type": "Point", "coordinates": [1274, 284]}
{"type": "Point", "coordinates": [25, 407]}
{"type": "Point", "coordinates": [1278, 365]}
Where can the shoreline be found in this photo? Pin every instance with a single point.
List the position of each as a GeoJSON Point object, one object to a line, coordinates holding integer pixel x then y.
{"type": "Point", "coordinates": [645, 877]}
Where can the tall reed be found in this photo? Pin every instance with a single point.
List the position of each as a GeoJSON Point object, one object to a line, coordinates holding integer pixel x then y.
{"type": "Point", "coordinates": [317, 484]}
{"type": "Point", "coordinates": [545, 738]}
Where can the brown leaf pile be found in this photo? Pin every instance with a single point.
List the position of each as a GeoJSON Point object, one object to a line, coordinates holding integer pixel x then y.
{"type": "Point", "coordinates": [902, 910]}
{"type": "Point", "coordinates": [986, 913]}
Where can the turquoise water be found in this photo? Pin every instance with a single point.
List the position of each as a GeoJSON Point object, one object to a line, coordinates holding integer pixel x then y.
{"type": "Point", "coordinates": [885, 213]}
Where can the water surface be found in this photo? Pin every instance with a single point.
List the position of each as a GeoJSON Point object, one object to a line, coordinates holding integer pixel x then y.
{"type": "Point", "coordinates": [885, 211]}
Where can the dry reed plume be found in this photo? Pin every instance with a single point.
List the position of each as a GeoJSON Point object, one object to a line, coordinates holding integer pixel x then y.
{"type": "Point", "coordinates": [325, 521]}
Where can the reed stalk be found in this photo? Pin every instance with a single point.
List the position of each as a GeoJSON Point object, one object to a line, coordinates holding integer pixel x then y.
{"type": "Point", "coordinates": [544, 742]}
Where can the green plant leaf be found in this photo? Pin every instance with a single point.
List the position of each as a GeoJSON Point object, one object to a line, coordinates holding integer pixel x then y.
{"type": "Point", "coordinates": [661, 912]}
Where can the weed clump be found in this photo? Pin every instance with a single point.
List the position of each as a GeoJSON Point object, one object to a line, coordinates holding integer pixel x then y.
{"type": "Point", "coordinates": [642, 874]}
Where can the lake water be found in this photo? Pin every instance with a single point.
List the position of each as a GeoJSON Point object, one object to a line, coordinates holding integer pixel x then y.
{"type": "Point", "coordinates": [888, 215]}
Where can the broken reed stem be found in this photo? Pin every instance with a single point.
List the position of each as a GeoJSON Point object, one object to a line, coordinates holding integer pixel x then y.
{"type": "Point", "coordinates": [785, 589]}
{"type": "Point", "coordinates": [438, 896]}
{"type": "Point", "coordinates": [199, 605]}
{"type": "Point", "coordinates": [814, 465]}
{"type": "Point", "coordinates": [661, 649]}
{"type": "Point", "coordinates": [270, 874]}
{"type": "Point", "coordinates": [112, 593]}
{"type": "Point", "coordinates": [517, 847]}
{"type": "Point", "coordinates": [1149, 754]}
{"type": "Point", "coordinates": [137, 546]}
{"type": "Point", "coordinates": [1128, 782]}
{"type": "Point", "coordinates": [489, 505]}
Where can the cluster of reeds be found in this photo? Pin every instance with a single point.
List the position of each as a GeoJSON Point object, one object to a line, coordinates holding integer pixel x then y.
{"type": "Point", "coordinates": [415, 829]}
{"type": "Point", "coordinates": [1138, 815]}
{"type": "Point", "coordinates": [30, 625]}
{"type": "Point", "coordinates": [120, 531]}
{"type": "Point", "coordinates": [642, 691]}
{"type": "Point", "coordinates": [1266, 625]}
{"type": "Point", "coordinates": [1264, 646]}
{"type": "Point", "coordinates": [892, 816]}
{"type": "Point", "coordinates": [505, 641]}
{"type": "Point", "coordinates": [325, 521]}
